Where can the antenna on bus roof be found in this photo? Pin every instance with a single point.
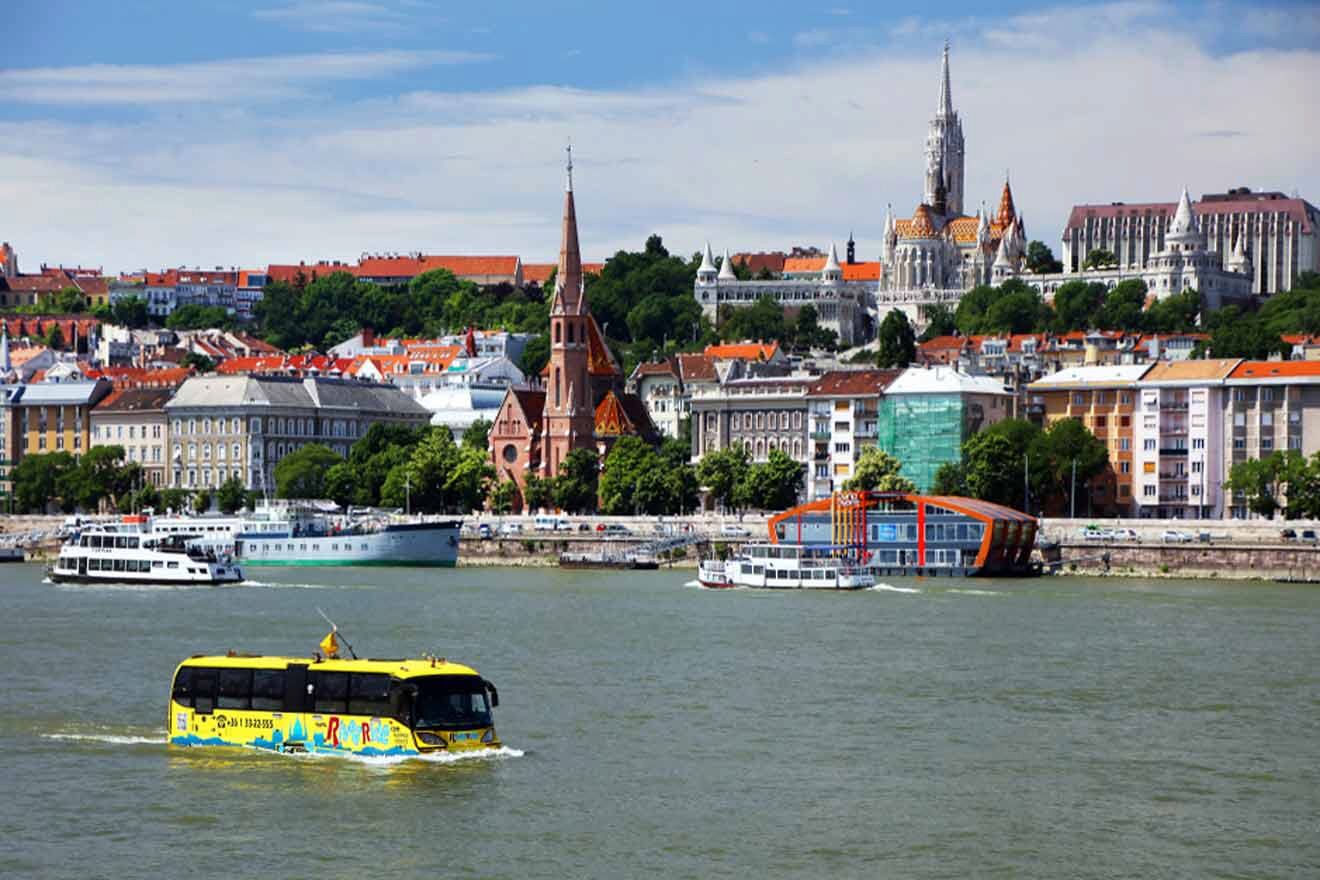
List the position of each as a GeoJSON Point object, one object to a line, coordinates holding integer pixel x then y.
{"type": "Point", "coordinates": [334, 630]}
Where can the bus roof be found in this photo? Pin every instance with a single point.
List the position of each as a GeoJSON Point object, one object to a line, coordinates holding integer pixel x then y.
{"type": "Point", "coordinates": [397, 668]}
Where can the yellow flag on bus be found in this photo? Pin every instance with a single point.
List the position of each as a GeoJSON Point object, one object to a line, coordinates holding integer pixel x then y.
{"type": "Point", "coordinates": [330, 645]}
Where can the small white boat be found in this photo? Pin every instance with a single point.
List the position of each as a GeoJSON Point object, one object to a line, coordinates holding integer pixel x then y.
{"type": "Point", "coordinates": [129, 552]}
{"type": "Point", "coordinates": [785, 567]}
{"type": "Point", "coordinates": [711, 574]}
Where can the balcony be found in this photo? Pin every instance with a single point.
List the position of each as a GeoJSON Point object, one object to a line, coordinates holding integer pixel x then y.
{"type": "Point", "coordinates": [821, 436]}
{"type": "Point", "coordinates": [1173, 406]}
{"type": "Point", "coordinates": [1177, 452]}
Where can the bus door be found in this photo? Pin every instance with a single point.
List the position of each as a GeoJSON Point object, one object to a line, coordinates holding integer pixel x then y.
{"type": "Point", "coordinates": [296, 698]}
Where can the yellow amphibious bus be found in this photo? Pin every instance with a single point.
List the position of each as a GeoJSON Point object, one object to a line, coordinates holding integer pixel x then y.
{"type": "Point", "coordinates": [300, 704]}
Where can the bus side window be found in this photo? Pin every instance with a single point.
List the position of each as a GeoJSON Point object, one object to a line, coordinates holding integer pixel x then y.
{"type": "Point", "coordinates": [331, 692]}
{"type": "Point", "coordinates": [268, 689]}
{"type": "Point", "coordinates": [401, 701]}
{"type": "Point", "coordinates": [369, 694]}
{"type": "Point", "coordinates": [203, 683]}
{"type": "Point", "coordinates": [183, 694]}
{"type": "Point", "coordinates": [235, 689]}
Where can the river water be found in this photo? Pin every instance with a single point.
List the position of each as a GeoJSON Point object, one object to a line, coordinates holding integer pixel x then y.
{"type": "Point", "coordinates": [1060, 727]}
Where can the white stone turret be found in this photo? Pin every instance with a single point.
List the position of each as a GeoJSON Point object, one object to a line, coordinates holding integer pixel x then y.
{"type": "Point", "coordinates": [1183, 234]}
{"type": "Point", "coordinates": [726, 268]}
{"type": "Point", "coordinates": [832, 271]}
{"type": "Point", "coordinates": [706, 273]}
{"type": "Point", "coordinates": [1238, 261]}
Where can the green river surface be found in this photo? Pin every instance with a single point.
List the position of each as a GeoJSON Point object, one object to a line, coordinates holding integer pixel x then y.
{"type": "Point", "coordinates": [1061, 727]}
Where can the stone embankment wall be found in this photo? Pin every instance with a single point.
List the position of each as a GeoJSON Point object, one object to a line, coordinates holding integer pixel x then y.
{"type": "Point", "coordinates": [1216, 560]}
{"type": "Point", "coordinates": [542, 549]}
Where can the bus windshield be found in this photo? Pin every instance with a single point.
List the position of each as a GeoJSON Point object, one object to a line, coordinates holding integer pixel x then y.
{"type": "Point", "coordinates": [450, 702]}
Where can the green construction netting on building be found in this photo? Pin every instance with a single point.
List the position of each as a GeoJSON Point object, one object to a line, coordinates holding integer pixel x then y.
{"type": "Point", "coordinates": [923, 431]}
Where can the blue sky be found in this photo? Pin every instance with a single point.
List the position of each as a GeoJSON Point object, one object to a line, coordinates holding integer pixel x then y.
{"type": "Point", "coordinates": [149, 133]}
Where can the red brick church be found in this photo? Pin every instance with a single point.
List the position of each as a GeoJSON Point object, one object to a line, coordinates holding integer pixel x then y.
{"type": "Point", "coordinates": [580, 402]}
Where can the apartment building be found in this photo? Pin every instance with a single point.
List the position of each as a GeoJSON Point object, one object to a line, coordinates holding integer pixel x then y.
{"type": "Point", "coordinates": [1103, 398]}
{"type": "Point", "coordinates": [1269, 406]}
{"type": "Point", "coordinates": [222, 426]}
{"type": "Point", "coordinates": [1177, 438]}
{"type": "Point", "coordinates": [925, 414]}
{"type": "Point", "coordinates": [134, 418]}
{"type": "Point", "coordinates": [843, 408]}
{"type": "Point", "coordinates": [758, 413]}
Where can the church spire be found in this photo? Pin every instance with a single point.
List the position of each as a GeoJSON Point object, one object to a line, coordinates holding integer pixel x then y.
{"type": "Point", "coordinates": [568, 280]}
{"type": "Point", "coordinates": [946, 93]}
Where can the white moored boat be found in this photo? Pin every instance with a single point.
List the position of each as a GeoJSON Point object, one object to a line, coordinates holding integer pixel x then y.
{"type": "Point", "coordinates": [129, 552]}
{"type": "Point", "coordinates": [785, 567]}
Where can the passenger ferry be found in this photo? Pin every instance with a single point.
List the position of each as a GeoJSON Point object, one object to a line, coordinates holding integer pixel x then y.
{"type": "Point", "coordinates": [130, 552]}
{"type": "Point", "coordinates": [785, 567]}
{"type": "Point", "coordinates": [300, 535]}
{"type": "Point", "coordinates": [332, 706]}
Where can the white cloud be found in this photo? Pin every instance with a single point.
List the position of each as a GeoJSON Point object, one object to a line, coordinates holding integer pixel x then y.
{"type": "Point", "coordinates": [231, 81]}
{"type": "Point", "coordinates": [1131, 111]}
{"type": "Point", "coordinates": [336, 16]}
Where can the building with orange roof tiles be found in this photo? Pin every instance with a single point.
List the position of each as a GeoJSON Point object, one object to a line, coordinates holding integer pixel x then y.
{"type": "Point", "coordinates": [1103, 398]}
{"type": "Point", "coordinates": [1270, 406]}
{"type": "Point", "coordinates": [942, 250]}
{"type": "Point", "coordinates": [841, 305]}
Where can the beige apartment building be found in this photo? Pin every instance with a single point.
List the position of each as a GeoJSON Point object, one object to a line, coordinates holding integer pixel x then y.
{"type": "Point", "coordinates": [134, 418]}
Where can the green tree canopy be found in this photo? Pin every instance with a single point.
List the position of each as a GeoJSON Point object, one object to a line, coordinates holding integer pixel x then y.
{"type": "Point", "coordinates": [878, 471]}
{"type": "Point", "coordinates": [576, 483]}
{"type": "Point", "coordinates": [774, 484]}
{"type": "Point", "coordinates": [198, 317]}
{"type": "Point", "coordinates": [231, 495]}
{"type": "Point", "coordinates": [37, 481]}
{"type": "Point", "coordinates": [721, 472]}
{"type": "Point", "coordinates": [1040, 259]}
{"type": "Point", "coordinates": [1099, 258]}
{"type": "Point", "coordinates": [939, 322]}
{"type": "Point", "coordinates": [1123, 306]}
{"type": "Point", "coordinates": [301, 473]}
{"type": "Point", "coordinates": [476, 435]}
{"type": "Point", "coordinates": [896, 341]}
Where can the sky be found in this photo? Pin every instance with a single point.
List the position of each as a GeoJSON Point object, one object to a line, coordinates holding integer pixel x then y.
{"type": "Point", "coordinates": [147, 134]}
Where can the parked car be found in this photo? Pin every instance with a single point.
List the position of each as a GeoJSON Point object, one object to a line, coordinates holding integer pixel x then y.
{"type": "Point", "coordinates": [510, 528]}
{"type": "Point", "coordinates": [1288, 535]}
{"type": "Point", "coordinates": [484, 532]}
{"type": "Point", "coordinates": [549, 522]}
{"type": "Point", "coordinates": [1173, 536]}
{"type": "Point", "coordinates": [729, 530]}
{"type": "Point", "coordinates": [1095, 533]}
{"type": "Point", "coordinates": [1125, 535]}
{"type": "Point", "coordinates": [617, 529]}
{"type": "Point", "coordinates": [1310, 535]}
{"type": "Point", "coordinates": [584, 527]}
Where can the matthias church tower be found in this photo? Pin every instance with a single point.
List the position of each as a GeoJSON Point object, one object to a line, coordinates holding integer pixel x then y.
{"type": "Point", "coordinates": [944, 152]}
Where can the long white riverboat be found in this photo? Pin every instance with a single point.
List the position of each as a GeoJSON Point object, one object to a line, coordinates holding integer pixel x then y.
{"type": "Point", "coordinates": [784, 567]}
{"type": "Point", "coordinates": [300, 535]}
{"type": "Point", "coordinates": [130, 552]}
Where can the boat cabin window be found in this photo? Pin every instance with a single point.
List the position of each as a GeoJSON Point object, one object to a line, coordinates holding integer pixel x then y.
{"type": "Point", "coordinates": [369, 694]}
{"type": "Point", "coordinates": [268, 689]}
{"type": "Point", "coordinates": [235, 691]}
{"type": "Point", "coordinates": [330, 691]}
